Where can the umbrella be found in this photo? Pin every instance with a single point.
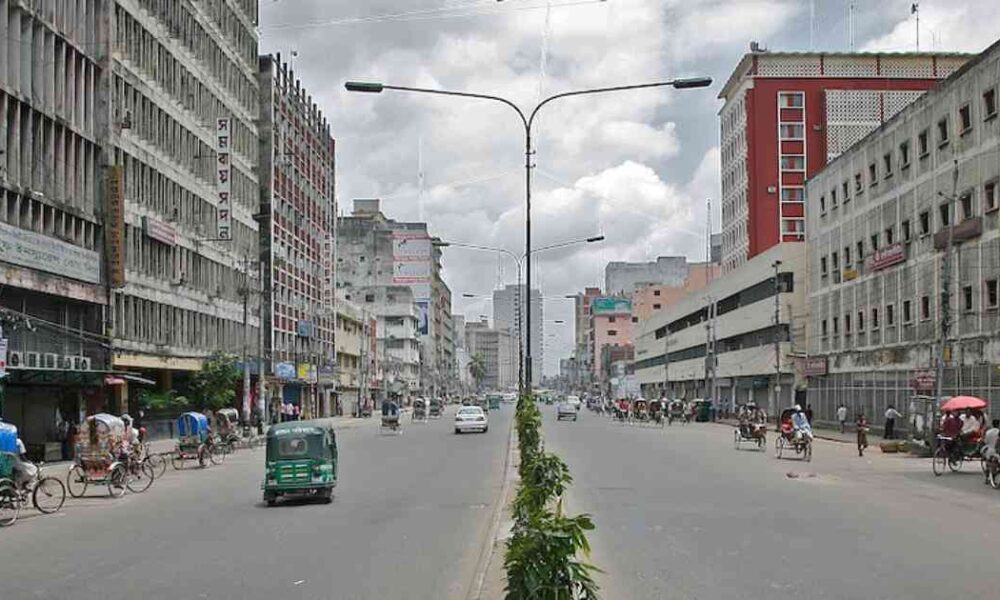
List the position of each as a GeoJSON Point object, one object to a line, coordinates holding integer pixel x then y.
{"type": "Point", "coordinates": [963, 402]}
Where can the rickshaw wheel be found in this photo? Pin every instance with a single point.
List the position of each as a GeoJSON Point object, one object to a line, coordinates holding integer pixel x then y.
{"type": "Point", "coordinates": [779, 445]}
{"type": "Point", "coordinates": [218, 454]}
{"type": "Point", "coordinates": [177, 462]}
{"type": "Point", "coordinates": [994, 477]}
{"type": "Point", "coordinates": [117, 480]}
{"type": "Point", "coordinates": [49, 495]}
{"type": "Point", "coordinates": [761, 442]}
{"type": "Point", "coordinates": [955, 463]}
{"type": "Point", "coordinates": [808, 452]}
{"type": "Point", "coordinates": [939, 461]}
{"type": "Point", "coordinates": [326, 496]}
{"type": "Point", "coordinates": [982, 465]}
{"type": "Point", "coordinates": [141, 480]}
{"type": "Point", "coordinates": [736, 439]}
{"type": "Point", "coordinates": [10, 503]}
{"type": "Point", "coordinates": [76, 481]}
{"type": "Point", "coordinates": [158, 464]}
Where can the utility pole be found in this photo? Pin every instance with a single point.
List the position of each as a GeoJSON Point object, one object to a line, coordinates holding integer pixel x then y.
{"type": "Point", "coordinates": [245, 408]}
{"type": "Point", "coordinates": [708, 347]}
{"type": "Point", "coordinates": [666, 361]}
{"type": "Point", "coordinates": [715, 355]}
{"type": "Point", "coordinates": [945, 300]}
{"type": "Point", "coordinates": [777, 340]}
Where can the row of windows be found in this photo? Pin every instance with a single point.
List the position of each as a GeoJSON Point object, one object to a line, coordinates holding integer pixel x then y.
{"type": "Point", "coordinates": [966, 207]}
{"type": "Point", "coordinates": [147, 55]}
{"type": "Point", "coordinates": [146, 321]}
{"type": "Point", "coordinates": [751, 339]}
{"type": "Point", "coordinates": [35, 215]}
{"type": "Point", "coordinates": [76, 18]}
{"type": "Point", "coordinates": [44, 155]}
{"type": "Point", "coordinates": [184, 26]}
{"type": "Point", "coordinates": [884, 169]}
{"type": "Point", "coordinates": [745, 297]}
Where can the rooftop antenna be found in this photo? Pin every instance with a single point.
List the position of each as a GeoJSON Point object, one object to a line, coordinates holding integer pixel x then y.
{"type": "Point", "coordinates": [915, 10]}
{"type": "Point", "coordinates": [850, 25]}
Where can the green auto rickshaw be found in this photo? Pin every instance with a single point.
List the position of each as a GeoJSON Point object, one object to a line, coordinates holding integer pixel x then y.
{"type": "Point", "coordinates": [301, 460]}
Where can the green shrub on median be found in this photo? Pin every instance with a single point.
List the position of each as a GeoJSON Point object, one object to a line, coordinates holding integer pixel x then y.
{"type": "Point", "coordinates": [544, 547]}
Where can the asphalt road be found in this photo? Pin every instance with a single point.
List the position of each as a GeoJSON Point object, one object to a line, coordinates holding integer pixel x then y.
{"type": "Point", "coordinates": [681, 514]}
{"type": "Point", "coordinates": [408, 521]}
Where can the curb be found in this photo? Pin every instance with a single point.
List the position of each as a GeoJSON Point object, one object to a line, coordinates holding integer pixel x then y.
{"type": "Point", "coordinates": [488, 550]}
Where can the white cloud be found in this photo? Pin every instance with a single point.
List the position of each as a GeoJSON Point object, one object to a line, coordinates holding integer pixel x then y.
{"type": "Point", "coordinates": [948, 26]}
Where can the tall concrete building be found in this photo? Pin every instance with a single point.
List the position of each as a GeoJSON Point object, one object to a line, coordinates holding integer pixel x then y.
{"type": "Point", "coordinates": [505, 316]}
{"type": "Point", "coordinates": [374, 251]}
{"type": "Point", "coordinates": [498, 349]}
{"type": "Point", "coordinates": [786, 114]}
{"type": "Point", "coordinates": [884, 291]}
{"type": "Point", "coordinates": [583, 335]}
{"type": "Point", "coordinates": [297, 218]}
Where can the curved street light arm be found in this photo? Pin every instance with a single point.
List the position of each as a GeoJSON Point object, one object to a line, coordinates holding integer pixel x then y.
{"type": "Point", "coordinates": [519, 112]}
{"type": "Point", "coordinates": [617, 88]}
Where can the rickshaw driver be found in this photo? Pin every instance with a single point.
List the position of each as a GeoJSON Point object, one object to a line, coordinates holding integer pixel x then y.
{"type": "Point", "coordinates": [24, 469]}
{"type": "Point", "coordinates": [800, 424]}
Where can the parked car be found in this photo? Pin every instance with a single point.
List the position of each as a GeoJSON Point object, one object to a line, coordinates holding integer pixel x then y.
{"type": "Point", "coordinates": [575, 401]}
{"type": "Point", "coordinates": [565, 410]}
{"type": "Point", "coordinates": [471, 418]}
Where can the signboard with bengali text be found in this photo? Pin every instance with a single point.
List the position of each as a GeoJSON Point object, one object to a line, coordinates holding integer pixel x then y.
{"type": "Point", "coordinates": [887, 256]}
{"type": "Point", "coordinates": [114, 226]}
{"type": "Point", "coordinates": [607, 305]}
{"type": "Point", "coordinates": [223, 179]}
{"type": "Point", "coordinates": [36, 251]}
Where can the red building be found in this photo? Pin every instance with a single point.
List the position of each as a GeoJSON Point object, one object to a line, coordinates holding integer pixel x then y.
{"type": "Point", "coordinates": [785, 115]}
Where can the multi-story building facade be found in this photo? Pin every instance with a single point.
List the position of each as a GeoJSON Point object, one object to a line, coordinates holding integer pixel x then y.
{"type": "Point", "coordinates": [351, 340]}
{"type": "Point", "coordinates": [882, 290]}
{"type": "Point", "coordinates": [611, 324]}
{"type": "Point", "coordinates": [462, 356]}
{"type": "Point", "coordinates": [785, 115]}
{"type": "Point", "coordinates": [297, 218]}
{"type": "Point", "coordinates": [375, 251]}
{"type": "Point", "coordinates": [53, 70]}
{"type": "Point", "coordinates": [498, 351]}
{"type": "Point", "coordinates": [757, 329]}
{"type": "Point", "coordinates": [507, 311]}
{"type": "Point", "coordinates": [649, 299]}
{"type": "Point", "coordinates": [622, 278]}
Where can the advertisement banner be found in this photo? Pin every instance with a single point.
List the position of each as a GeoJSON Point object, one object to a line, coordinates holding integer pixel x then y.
{"type": "Point", "coordinates": [307, 372]}
{"type": "Point", "coordinates": [411, 272]}
{"type": "Point", "coordinates": [36, 251]}
{"type": "Point", "coordinates": [114, 227]}
{"type": "Point", "coordinates": [223, 179]}
{"type": "Point", "coordinates": [411, 244]}
{"type": "Point", "coordinates": [284, 370]}
{"type": "Point", "coordinates": [607, 305]}
{"type": "Point", "coordinates": [423, 316]}
{"type": "Point", "coordinates": [158, 230]}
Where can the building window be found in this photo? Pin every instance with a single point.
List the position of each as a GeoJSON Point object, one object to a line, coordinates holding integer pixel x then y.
{"type": "Point", "coordinates": [792, 195]}
{"type": "Point", "coordinates": [836, 325]}
{"type": "Point", "coordinates": [945, 214]}
{"type": "Point", "coordinates": [846, 189]}
{"type": "Point", "coordinates": [925, 223]}
{"type": "Point", "coordinates": [989, 104]}
{"type": "Point", "coordinates": [835, 261]}
{"type": "Point", "coordinates": [887, 165]}
{"type": "Point", "coordinates": [905, 227]}
{"type": "Point", "coordinates": [967, 298]}
{"type": "Point", "coordinates": [861, 253]}
{"type": "Point", "coordinates": [874, 319]}
{"type": "Point", "coordinates": [990, 195]}
{"type": "Point", "coordinates": [890, 315]}
{"type": "Point", "coordinates": [872, 174]}
{"type": "Point", "coordinates": [968, 210]}
{"type": "Point", "coordinates": [861, 320]}
{"type": "Point", "coordinates": [635, 319]}
{"type": "Point", "coordinates": [611, 319]}
{"type": "Point", "coordinates": [793, 163]}
{"type": "Point", "coordinates": [656, 292]}
{"type": "Point", "coordinates": [612, 333]}
{"type": "Point", "coordinates": [822, 205]}
{"type": "Point", "coordinates": [822, 266]}
{"type": "Point", "coordinates": [925, 308]}
{"type": "Point", "coordinates": [922, 145]}
{"type": "Point", "coordinates": [907, 313]}
{"type": "Point", "coordinates": [991, 294]}
{"type": "Point", "coordinates": [847, 323]}
{"type": "Point", "coordinates": [792, 131]}
{"type": "Point", "coordinates": [369, 297]}
{"type": "Point", "coordinates": [965, 118]}
{"type": "Point", "coordinates": [858, 186]}
{"type": "Point", "coordinates": [833, 199]}
{"type": "Point", "coordinates": [942, 129]}
{"type": "Point", "coordinates": [904, 155]}
{"type": "Point", "coordinates": [656, 307]}
{"type": "Point", "coordinates": [890, 236]}
{"type": "Point", "coordinates": [823, 327]}
{"type": "Point", "coordinates": [790, 99]}
{"type": "Point", "coordinates": [874, 240]}
{"type": "Point", "coordinates": [847, 256]}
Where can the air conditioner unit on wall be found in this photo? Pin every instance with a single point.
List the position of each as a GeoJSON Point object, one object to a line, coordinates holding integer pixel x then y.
{"type": "Point", "coordinates": [15, 360]}
{"type": "Point", "coordinates": [32, 360]}
{"type": "Point", "coordinates": [49, 360]}
{"type": "Point", "coordinates": [81, 363]}
{"type": "Point", "coordinates": [66, 362]}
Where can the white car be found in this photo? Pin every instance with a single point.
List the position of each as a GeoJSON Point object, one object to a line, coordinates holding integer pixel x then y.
{"type": "Point", "coordinates": [471, 418]}
{"type": "Point", "coordinates": [565, 410]}
{"type": "Point", "coordinates": [574, 401]}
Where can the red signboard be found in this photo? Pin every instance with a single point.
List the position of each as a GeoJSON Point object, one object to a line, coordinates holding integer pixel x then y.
{"type": "Point", "coordinates": [892, 254]}
{"type": "Point", "coordinates": [813, 366]}
{"type": "Point", "coordinates": [924, 381]}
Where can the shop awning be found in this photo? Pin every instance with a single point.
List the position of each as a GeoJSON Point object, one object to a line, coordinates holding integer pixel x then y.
{"type": "Point", "coordinates": [71, 377]}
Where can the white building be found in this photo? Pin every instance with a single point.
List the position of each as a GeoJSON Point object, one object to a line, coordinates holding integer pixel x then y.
{"type": "Point", "coordinates": [744, 330]}
{"type": "Point", "coordinates": [878, 304]}
{"type": "Point", "coordinates": [498, 349]}
{"type": "Point", "coordinates": [505, 316]}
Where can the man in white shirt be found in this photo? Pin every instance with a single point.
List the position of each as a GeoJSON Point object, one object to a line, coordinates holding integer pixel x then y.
{"type": "Point", "coordinates": [24, 469]}
{"type": "Point", "coordinates": [891, 414]}
{"type": "Point", "coordinates": [990, 439]}
{"type": "Point", "coordinates": [842, 417]}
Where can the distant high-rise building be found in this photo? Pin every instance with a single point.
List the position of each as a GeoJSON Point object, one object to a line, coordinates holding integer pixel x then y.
{"type": "Point", "coordinates": [505, 316]}
{"type": "Point", "coordinates": [785, 115]}
{"type": "Point", "coordinates": [497, 348]}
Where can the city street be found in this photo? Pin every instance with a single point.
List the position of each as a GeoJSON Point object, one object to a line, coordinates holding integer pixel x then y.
{"type": "Point", "coordinates": [681, 514]}
{"type": "Point", "coordinates": [408, 521]}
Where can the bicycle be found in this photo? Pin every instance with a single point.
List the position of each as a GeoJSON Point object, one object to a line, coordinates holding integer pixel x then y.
{"type": "Point", "coordinates": [47, 495]}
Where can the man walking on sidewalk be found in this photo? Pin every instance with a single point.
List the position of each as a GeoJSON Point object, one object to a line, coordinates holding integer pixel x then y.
{"type": "Point", "coordinates": [842, 417]}
{"type": "Point", "coordinates": [891, 414]}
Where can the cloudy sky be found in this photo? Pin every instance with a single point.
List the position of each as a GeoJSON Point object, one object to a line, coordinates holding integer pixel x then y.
{"type": "Point", "coordinates": [636, 166]}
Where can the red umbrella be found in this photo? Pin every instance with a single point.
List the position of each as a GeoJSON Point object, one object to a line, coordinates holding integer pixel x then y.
{"type": "Point", "coordinates": [963, 403]}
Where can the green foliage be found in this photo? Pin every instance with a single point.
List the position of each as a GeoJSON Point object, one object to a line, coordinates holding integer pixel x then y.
{"type": "Point", "coordinates": [542, 560]}
{"type": "Point", "coordinates": [477, 369]}
{"type": "Point", "coordinates": [164, 402]}
{"type": "Point", "coordinates": [214, 386]}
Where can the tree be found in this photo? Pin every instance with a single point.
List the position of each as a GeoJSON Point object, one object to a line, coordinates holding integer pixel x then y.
{"type": "Point", "coordinates": [477, 368]}
{"type": "Point", "coordinates": [214, 386]}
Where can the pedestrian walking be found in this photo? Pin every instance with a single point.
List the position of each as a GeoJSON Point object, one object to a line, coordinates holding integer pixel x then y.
{"type": "Point", "coordinates": [809, 413]}
{"type": "Point", "coordinates": [862, 426]}
{"type": "Point", "coordinates": [842, 417]}
{"type": "Point", "coordinates": [891, 414]}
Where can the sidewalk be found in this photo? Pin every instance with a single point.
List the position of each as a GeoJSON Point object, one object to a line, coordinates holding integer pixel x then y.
{"type": "Point", "coordinates": [827, 431]}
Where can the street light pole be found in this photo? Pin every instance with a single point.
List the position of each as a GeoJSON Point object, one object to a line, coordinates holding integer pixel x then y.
{"type": "Point", "coordinates": [527, 122]}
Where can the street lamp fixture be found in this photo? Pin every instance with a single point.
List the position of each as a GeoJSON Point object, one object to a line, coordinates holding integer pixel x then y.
{"type": "Point", "coordinates": [527, 120]}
